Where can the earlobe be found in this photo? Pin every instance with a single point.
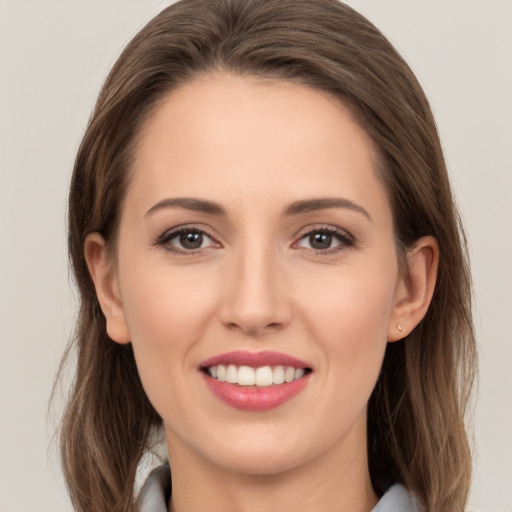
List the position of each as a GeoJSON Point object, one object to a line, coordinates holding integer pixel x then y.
{"type": "Point", "coordinates": [415, 289]}
{"type": "Point", "coordinates": [103, 273]}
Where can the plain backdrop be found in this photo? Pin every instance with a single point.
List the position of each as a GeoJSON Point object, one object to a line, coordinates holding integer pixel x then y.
{"type": "Point", "coordinates": [54, 56]}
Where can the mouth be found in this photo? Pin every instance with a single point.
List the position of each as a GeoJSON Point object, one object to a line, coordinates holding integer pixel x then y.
{"type": "Point", "coordinates": [255, 381]}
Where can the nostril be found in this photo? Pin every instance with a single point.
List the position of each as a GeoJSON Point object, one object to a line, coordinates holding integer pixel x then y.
{"type": "Point", "coordinates": [254, 328]}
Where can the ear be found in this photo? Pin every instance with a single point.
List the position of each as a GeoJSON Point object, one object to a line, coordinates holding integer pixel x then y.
{"type": "Point", "coordinates": [415, 288]}
{"type": "Point", "coordinates": [104, 275]}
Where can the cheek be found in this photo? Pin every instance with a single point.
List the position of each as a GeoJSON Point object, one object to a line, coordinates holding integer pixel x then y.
{"type": "Point", "coordinates": [348, 315]}
{"type": "Point", "coordinates": [351, 304]}
{"type": "Point", "coordinates": [166, 312]}
{"type": "Point", "coordinates": [164, 305]}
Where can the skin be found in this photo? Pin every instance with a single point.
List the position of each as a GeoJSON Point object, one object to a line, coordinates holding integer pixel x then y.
{"type": "Point", "coordinates": [254, 148]}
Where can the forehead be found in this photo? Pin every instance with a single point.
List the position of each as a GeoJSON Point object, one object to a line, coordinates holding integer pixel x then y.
{"type": "Point", "coordinates": [223, 134]}
{"type": "Point", "coordinates": [215, 106]}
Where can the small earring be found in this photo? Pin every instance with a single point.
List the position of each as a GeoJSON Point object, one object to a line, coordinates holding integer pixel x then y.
{"type": "Point", "coordinates": [399, 327]}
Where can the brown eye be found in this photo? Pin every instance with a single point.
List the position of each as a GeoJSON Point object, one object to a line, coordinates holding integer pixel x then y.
{"type": "Point", "coordinates": [320, 241]}
{"type": "Point", "coordinates": [325, 240]}
{"type": "Point", "coordinates": [186, 240]}
{"type": "Point", "coordinates": [191, 240]}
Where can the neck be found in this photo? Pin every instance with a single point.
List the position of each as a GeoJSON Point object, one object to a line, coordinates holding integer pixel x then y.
{"type": "Point", "coordinates": [332, 482]}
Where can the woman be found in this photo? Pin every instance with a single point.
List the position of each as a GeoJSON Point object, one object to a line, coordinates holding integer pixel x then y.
{"type": "Point", "coordinates": [271, 269]}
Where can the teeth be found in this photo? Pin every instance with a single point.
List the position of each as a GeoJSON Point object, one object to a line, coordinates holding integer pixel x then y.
{"type": "Point", "coordinates": [221, 373]}
{"type": "Point", "coordinates": [299, 372]}
{"type": "Point", "coordinates": [232, 374]}
{"type": "Point", "coordinates": [246, 376]}
{"type": "Point", "coordinates": [278, 375]}
{"type": "Point", "coordinates": [263, 376]}
{"type": "Point", "coordinates": [289, 374]}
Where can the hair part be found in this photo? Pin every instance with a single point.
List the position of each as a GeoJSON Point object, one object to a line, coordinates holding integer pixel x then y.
{"type": "Point", "coordinates": [416, 413]}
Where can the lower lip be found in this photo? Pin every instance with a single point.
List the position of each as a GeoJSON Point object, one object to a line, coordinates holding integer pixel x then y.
{"type": "Point", "coordinates": [255, 398]}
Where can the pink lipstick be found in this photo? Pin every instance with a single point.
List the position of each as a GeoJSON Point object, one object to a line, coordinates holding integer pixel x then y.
{"type": "Point", "coordinates": [255, 359]}
{"type": "Point", "coordinates": [255, 381]}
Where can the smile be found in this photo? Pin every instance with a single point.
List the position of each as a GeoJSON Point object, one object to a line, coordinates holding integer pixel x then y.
{"type": "Point", "coordinates": [255, 381]}
{"type": "Point", "coordinates": [263, 376]}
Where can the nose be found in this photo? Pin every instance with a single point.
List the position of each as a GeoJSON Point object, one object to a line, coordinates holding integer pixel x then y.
{"type": "Point", "coordinates": [255, 297]}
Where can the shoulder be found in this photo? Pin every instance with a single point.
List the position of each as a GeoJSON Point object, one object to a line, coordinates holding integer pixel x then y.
{"type": "Point", "coordinates": [156, 491]}
{"type": "Point", "coordinates": [397, 499]}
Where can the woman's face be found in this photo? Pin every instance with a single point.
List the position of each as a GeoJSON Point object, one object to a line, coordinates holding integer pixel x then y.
{"type": "Point", "coordinates": [255, 233]}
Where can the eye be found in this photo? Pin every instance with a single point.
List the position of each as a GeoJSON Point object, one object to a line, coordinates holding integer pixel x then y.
{"type": "Point", "coordinates": [185, 240]}
{"type": "Point", "coordinates": [325, 240]}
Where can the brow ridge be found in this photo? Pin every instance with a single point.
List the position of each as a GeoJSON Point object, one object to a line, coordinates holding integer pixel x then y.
{"type": "Point", "coordinates": [188, 203]}
{"type": "Point", "coordinates": [295, 208]}
{"type": "Point", "coordinates": [308, 205]}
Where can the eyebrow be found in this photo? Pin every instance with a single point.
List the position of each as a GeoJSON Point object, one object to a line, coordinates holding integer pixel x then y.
{"type": "Point", "coordinates": [323, 203]}
{"type": "Point", "coordinates": [295, 208]}
{"type": "Point", "coordinates": [188, 203]}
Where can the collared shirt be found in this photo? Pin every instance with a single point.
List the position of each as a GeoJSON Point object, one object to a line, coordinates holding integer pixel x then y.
{"type": "Point", "coordinates": [157, 491]}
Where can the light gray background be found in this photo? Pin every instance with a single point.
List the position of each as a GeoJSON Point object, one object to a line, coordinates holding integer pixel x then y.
{"type": "Point", "coordinates": [53, 58]}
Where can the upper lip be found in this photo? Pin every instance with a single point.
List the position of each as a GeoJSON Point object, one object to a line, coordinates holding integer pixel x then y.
{"type": "Point", "coordinates": [255, 359]}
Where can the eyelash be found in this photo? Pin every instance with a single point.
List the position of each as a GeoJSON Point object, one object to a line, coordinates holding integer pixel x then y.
{"type": "Point", "coordinates": [345, 240]}
{"type": "Point", "coordinates": [165, 240]}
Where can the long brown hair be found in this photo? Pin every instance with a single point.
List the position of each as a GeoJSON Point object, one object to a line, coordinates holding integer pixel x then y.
{"type": "Point", "coordinates": [416, 414]}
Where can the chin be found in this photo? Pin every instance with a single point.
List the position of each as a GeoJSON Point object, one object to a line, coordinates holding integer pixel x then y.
{"type": "Point", "coordinates": [262, 462]}
{"type": "Point", "coordinates": [262, 449]}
